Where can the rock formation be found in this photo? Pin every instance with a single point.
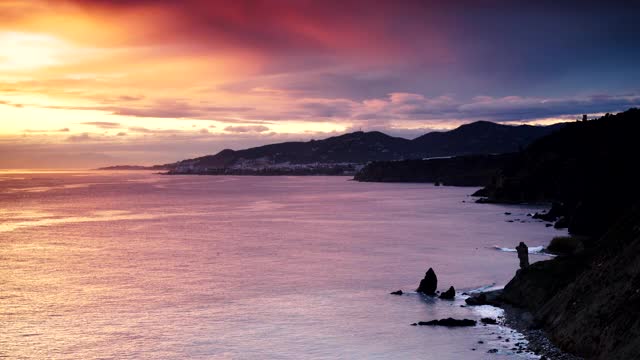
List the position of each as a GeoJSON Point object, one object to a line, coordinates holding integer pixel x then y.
{"type": "Point", "coordinates": [429, 284]}
{"type": "Point", "coordinates": [523, 255]}
{"type": "Point", "coordinates": [449, 294]}
{"type": "Point", "coordinates": [447, 322]}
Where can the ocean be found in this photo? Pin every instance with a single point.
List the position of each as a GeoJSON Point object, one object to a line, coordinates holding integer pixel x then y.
{"type": "Point", "coordinates": [136, 265]}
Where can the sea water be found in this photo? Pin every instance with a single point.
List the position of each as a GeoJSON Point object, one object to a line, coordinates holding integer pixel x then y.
{"type": "Point", "coordinates": [137, 265]}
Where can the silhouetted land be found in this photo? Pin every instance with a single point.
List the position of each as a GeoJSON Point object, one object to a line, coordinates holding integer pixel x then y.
{"type": "Point", "coordinates": [588, 301]}
{"type": "Point", "coordinates": [345, 154]}
{"type": "Point", "coordinates": [470, 170]}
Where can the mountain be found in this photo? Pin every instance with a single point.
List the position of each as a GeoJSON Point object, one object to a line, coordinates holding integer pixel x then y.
{"type": "Point", "coordinates": [349, 152]}
{"type": "Point", "coordinates": [481, 137]}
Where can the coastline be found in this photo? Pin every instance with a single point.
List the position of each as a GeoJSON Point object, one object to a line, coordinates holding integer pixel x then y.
{"type": "Point", "coordinates": [586, 300]}
{"type": "Point", "coordinates": [538, 342]}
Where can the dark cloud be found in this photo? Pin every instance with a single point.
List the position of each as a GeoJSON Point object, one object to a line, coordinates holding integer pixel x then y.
{"type": "Point", "coordinates": [362, 49]}
{"type": "Point", "coordinates": [404, 106]}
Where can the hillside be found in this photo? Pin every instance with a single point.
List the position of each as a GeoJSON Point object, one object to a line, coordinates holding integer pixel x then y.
{"type": "Point", "coordinates": [350, 151]}
{"type": "Point", "coordinates": [466, 170]}
{"type": "Point", "coordinates": [588, 302]}
{"type": "Point", "coordinates": [587, 167]}
{"type": "Point", "coordinates": [481, 137]}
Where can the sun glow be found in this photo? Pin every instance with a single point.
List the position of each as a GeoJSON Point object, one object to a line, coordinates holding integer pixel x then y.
{"type": "Point", "coordinates": [26, 51]}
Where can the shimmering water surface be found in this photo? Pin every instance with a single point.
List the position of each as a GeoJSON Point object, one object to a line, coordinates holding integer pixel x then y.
{"type": "Point", "coordinates": [134, 265]}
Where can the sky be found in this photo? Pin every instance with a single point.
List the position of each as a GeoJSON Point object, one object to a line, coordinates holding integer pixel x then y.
{"type": "Point", "coordinates": [87, 83]}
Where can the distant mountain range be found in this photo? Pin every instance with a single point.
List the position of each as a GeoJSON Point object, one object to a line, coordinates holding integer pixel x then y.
{"type": "Point", "coordinates": [347, 153]}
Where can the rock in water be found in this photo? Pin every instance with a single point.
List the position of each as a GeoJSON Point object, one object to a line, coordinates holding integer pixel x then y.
{"type": "Point", "coordinates": [477, 299]}
{"type": "Point", "coordinates": [449, 294]}
{"type": "Point", "coordinates": [448, 322]}
{"type": "Point", "coordinates": [399, 292]}
{"type": "Point", "coordinates": [493, 297]}
{"type": "Point", "coordinates": [429, 284]}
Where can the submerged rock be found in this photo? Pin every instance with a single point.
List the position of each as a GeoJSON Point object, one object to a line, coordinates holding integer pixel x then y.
{"type": "Point", "coordinates": [476, 299]}
{"type": "Point", "coordinates": [448, 322]}
{"type": "Point", "coordinates": [399, 292]}
{"type": "Point", "coordinates": [429, 284]}
{"type": "Point", "coordinates": [562, 223]}
{"type": "Point", "coordinates": [489, 321]}
{"type": "Point", "coordinates": [449, 294]}
{"type": "Point", "coordinates": [486, 298]}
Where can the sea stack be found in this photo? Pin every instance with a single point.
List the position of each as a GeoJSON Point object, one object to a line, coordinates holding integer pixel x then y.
{"type": "Point", "coordinates": [523, 255]}
{"type": "Point", "coordinates": [429, 284]}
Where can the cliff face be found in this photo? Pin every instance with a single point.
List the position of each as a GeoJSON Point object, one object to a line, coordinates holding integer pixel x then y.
{"type": "Point", "coordinates": [589, 303]}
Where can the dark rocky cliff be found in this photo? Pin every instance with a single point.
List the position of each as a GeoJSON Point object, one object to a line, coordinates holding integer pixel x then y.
{"type": "Point", "coordinates": [589, 303]}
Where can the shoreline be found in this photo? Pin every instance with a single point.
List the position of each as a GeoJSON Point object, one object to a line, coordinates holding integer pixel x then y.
{"type": "Point", "coordinates": [538, 341]}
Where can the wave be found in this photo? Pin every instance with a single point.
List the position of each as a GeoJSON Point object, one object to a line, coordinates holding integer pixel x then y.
{"type": "Point", "coordinates": [484, 288]}
{"type": "Point", "coordinates": [532, 250]}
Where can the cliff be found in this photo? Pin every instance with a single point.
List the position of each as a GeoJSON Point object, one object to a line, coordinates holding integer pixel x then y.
{"type": "Point", "coordinates": [588, 303]}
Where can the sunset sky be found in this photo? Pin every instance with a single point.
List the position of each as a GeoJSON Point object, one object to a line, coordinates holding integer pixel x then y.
{"type": "Point", "coordinates": [86, 83]}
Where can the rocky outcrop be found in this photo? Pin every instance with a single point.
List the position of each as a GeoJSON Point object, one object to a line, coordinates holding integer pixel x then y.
{"type": "Point", "coordinates": [449, 294]}
{"type": "Point", "coordinates": [447, 322]}
{"type": "Point", "coordinates": [589, 302]}
{"type": "Point", "coordinates": [485, 298]}
{"type": "Point", "coordinates": [429, 284]}
{"type": "Point", "coordinates": [523, 255]}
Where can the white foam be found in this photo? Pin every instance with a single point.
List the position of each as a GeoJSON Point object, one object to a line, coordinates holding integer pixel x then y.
{"type": "Point", "coordinates": [532, 250]}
